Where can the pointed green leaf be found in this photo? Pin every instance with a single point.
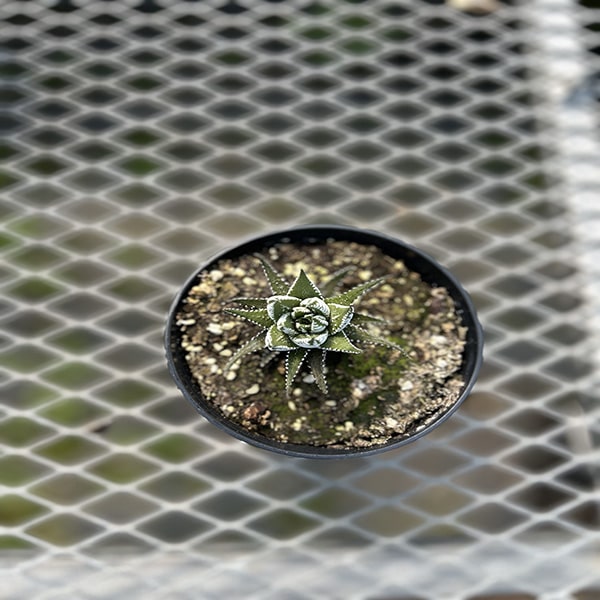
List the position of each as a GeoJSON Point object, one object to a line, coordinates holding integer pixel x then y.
{"type": "Point", "coordinates": [310, 340]}
{"type": "Point", "coordinates": [277, 340]}
{"type": "Point", "coordinates": [362, 319]}
{"type": "Point", "coordinates": [316, 361]}
{"type": "Point", "coordinates": [339, 317]}
{"type": "Point", "coordinates": [304, 288]}
{"type": "Point", "coordinates": [277, 283]}
{"type": "Point", "coordinates": [279, 305]}
{"type": "Point", "coordinates": [256, 343]}
{"type": "Point", "coordinates": [340, 343]}
{"type": "Point", "coordinates": [350, 296]}
{"type": "Point", "coordinates": [286, 324]}
{"type": "Point", "coordinates": [293, 363]}
{"type": "Point", "coordinates": [316, 305]}
{"type": "Point", "coordinates": [258, 316]}
{"type": "Point", "coordinates": [360, 335]}
{"type": "Point", "coordinates": [253, 302]}
{"type": "Point", "coordinates": [330, 285]}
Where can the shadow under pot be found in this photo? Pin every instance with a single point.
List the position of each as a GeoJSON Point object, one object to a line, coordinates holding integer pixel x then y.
{"type": "Point", "coordinates": [324, 342]}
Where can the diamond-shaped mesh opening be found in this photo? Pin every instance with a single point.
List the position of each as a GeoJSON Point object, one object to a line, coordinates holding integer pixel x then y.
{"type": "Point", "coordinates": [175, 527]}
{"type": "Point", "coordinates": [63, 530]}
{"type": "Point", "coordinates": [140, 140]}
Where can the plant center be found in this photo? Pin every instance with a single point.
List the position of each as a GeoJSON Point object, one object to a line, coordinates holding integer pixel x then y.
{"type": "Point", "coordinates": [306, 324]}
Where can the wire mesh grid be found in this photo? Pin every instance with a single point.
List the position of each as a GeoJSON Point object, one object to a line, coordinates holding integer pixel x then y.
{"type": "Point", "coordinates": [141, 137]}
{"type": "Point", "coordinates": [588, 20]}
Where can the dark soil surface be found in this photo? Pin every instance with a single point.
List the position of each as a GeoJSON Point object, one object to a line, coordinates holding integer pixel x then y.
{"type": "Point", "coordinates": [374, 397]}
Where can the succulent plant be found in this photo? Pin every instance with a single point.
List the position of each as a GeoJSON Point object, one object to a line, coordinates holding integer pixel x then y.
{"type": "Point", "coordinates": [306, 322]}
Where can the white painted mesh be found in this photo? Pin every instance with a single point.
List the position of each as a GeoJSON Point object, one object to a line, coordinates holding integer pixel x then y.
{"type": "Point", "coordinates": [140, 137]}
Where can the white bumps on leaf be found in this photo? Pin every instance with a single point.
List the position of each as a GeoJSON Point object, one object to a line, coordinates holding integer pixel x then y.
{"type": "Point", "coordinates": [316, 305]}
{"type": "Point", "coordinates": [280, 305]}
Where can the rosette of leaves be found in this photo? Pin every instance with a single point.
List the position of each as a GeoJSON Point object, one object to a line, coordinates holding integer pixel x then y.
{"type": "Point", "coordinates": [306, 322]}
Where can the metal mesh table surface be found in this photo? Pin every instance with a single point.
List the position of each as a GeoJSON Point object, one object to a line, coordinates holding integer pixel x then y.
{"type": "Point", "coordinates": [139, 138]}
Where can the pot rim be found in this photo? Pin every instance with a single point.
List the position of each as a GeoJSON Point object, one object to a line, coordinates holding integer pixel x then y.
{"type": "Point", "coordinates": [472, 353]}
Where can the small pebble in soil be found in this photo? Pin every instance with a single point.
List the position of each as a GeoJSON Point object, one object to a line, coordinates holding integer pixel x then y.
{"type": "Point", "coordinates": [183, 322]}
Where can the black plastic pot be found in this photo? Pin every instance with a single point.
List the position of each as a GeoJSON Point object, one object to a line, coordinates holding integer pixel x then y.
{"type": "Point", "coordinates": [415, 260]}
